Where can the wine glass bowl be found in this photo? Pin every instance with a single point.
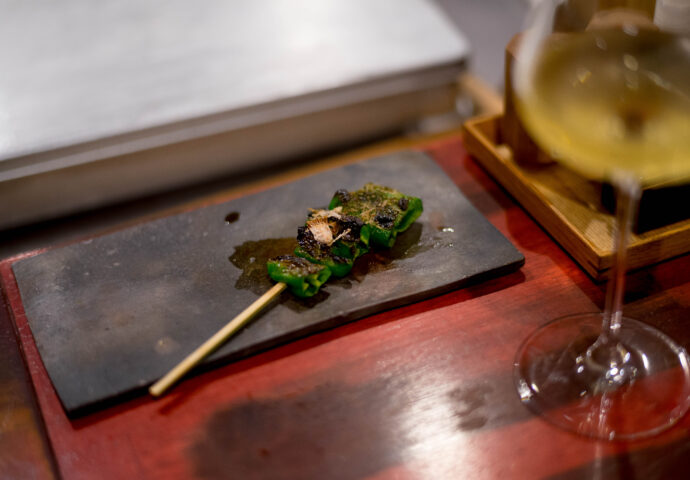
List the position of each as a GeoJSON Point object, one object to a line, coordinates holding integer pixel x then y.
{"type": "Point", "coordinates": [606, 92]}
{"type": "Point", "coordinates": [609, 100]}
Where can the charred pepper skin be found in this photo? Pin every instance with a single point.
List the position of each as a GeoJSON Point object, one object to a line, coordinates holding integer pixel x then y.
{"type": "Point", "coordinates": [303, 277]}
{"type": "Point", "coordinates": [338, 257]}
{"type": "Point", "coordinates": [371, 216]}
{"type": "Point", "coordinates": [385, 211]}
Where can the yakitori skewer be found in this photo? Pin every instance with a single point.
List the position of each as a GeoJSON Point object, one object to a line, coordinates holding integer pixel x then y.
{"type": "Point", "coordinates": [328, 244]}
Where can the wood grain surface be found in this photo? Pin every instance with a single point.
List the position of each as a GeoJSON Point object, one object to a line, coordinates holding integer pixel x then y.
{"type": "Point", "coordinates": [418, 392]}
{"type": "Point", "coordinates": [24, 447]}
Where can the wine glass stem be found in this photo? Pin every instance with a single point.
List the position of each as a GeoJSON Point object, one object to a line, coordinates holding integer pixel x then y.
{"type": "Point", "coordinates": [627, 200]}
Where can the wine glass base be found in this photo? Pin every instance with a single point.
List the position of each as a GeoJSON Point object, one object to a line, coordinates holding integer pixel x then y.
{"type": "Point", "coordinates": [642, 396]}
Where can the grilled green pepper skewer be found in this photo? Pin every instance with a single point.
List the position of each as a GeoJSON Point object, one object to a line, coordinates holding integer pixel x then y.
{"type": "Point", "coordinates": [329, 244]}
{"type": "Point", "coordinates": [335, 238]}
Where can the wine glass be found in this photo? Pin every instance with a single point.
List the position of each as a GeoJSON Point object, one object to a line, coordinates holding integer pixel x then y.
{"type": "Point", "coordinates": [606, 92]}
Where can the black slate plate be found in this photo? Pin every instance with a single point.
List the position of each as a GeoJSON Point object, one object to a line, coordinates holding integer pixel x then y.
{"type": "Point", "coordinates": [112, 314]}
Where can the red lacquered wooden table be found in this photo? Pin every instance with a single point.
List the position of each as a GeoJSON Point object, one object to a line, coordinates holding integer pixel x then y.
{"type": "Point", "coordinates": [419, 392]}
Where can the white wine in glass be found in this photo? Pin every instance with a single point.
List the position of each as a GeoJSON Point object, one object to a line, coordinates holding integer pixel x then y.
{"type": "Point", "coordinates": [610, 100]}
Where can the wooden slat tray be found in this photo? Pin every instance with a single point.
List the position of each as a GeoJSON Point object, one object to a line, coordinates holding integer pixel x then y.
{"type": "Point", "coordinates": [568, 206]}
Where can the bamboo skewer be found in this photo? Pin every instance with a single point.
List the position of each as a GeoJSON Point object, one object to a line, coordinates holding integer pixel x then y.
{"type": "Point", "coordinates": [215, 341]}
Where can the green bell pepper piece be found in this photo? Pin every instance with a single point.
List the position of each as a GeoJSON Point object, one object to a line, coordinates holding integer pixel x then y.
{"type": "Point", "coordinates": [303, 277]}
{"type": "Point", "coordinates": [338, 257]}
{"type": "Point", "coordinates": [384, 211]}
{"type": "Point", "coordinates": [350, 240]}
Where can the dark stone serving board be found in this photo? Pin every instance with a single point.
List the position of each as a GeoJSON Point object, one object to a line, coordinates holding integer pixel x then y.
{"type": "Point", "coordinates": [112, 314]}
